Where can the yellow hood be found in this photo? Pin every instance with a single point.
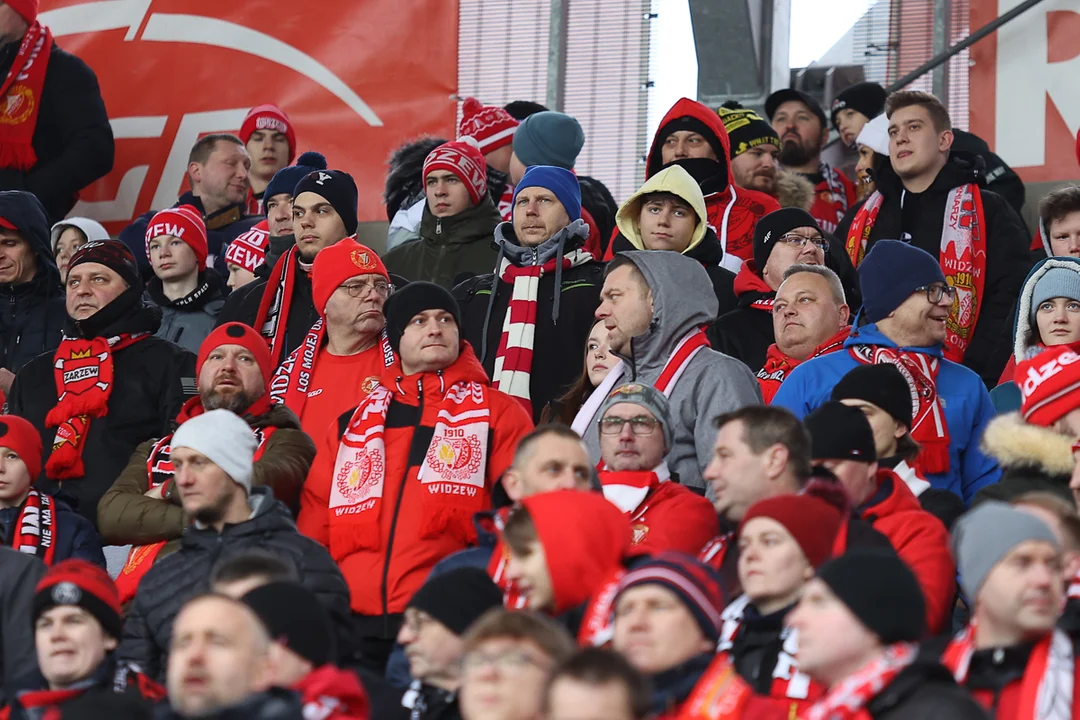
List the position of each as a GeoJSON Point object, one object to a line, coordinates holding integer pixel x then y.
{"type": "Point", "coordinates": [672, 180]}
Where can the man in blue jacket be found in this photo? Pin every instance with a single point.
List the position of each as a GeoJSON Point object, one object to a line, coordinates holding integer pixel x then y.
{"type": "Point", "coordinates": [906, 303]}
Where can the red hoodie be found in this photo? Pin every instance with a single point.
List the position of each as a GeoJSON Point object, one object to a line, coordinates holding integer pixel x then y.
{"type": "Point", "coordinates": [585, 539]}
{"type": "Point", "coordinates": [330, 693]}
{"type": "Point", "coordinates": [921, 541]}
{"type": "Point", "coordinates": [749, 205]}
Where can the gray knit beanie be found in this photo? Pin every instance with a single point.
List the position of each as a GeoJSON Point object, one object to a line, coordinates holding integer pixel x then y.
{"type": "Point", "coordinates": [647, 397]}
{"type": "Point", "coordinates": [987, 534]}
{"type": "Point", "coordinates": [1057, 282]}
{"type": "Point", "coordinates": [225, 439]}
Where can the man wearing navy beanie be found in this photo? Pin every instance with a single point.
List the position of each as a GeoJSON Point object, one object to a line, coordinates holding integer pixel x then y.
{"type": "Point", "coordinates": [523, 318]}
{"type": "Point", "coordinates": [904, 322]}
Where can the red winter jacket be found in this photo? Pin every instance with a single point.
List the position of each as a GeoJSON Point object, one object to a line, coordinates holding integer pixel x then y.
{"type": "Point", "coordinates": [673, 517]}
{"type": "Point", "coordinates": [749, 205]}
{"type": "Point", "coordinates": [330, 693]}
{"type": "Point", "coordinates": [382, 580]}
{"type": "Point", "coordinates": [921, 541]}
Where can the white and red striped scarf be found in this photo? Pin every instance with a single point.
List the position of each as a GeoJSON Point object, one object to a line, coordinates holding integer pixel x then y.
{"type": "Point", "coordinates": [848, 699]}
{"type": "Point", "coordinates": [289, 386]}
{"type": "Point", "coordinates": [34, 531]}
{"type": "Point", "coordinates": [513, 361]}
{"type": "Point", "coordinates": [453, 473]}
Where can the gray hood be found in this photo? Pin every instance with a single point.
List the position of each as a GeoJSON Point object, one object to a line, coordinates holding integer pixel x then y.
{"type": "Point", "coordinates": [1025, 335]}
{"type": "Point", "coordinates": [683, 300]}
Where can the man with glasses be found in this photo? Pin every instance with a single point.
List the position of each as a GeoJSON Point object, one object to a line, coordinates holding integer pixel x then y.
{"type": "Point", "coordinates": [504, 669]}
{"type": "Point", "coordinates": [906, 304]}
{"type": "Point", "coordinates": [346, 350]}
{"type": "Point", "coordinates": [437, 616]}
{"type": "Point", "coordinates": [781, 239]}
{"type": "Point", "coordinates": [635, 433]}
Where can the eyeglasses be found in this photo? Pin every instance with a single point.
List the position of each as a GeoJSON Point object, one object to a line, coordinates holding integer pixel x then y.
{"type": "Point", "coordinates": [797, 240]}
{"type": "Point", "coordinates": [639, 425]}
{"type": "Point", "coordinates": [934, 293]}
{"type": "Point", "coordinates": [361, 289]}
{"type": "Point", "coordinates": [509, 662]}
{"type": "Point", "coordinates": [415, 621]}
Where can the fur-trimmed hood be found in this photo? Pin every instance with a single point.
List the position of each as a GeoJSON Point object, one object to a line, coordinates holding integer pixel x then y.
{"type": "Point", "coordinates": [1017, 444]}
{"type": "Point", "coordinates": [1026, 341]}
{"type": "Point", "coordinates": [793, 190]}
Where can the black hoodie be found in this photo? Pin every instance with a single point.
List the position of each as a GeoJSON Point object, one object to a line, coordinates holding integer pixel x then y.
{"type": "Point", "coordinates": [32, 314]}
{"type": "Point", "coordinates": [1007, 260]}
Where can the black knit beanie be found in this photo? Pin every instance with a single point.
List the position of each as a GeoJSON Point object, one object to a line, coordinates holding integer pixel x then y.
{"type": "Point", "coordinates": [880, 590]}
{"type": "Point", "coordinates": [773, 226]}
{"type": "Point", "coordinates": [458, 598]}
{"type": "Point", "coordinates": [339, 189]}
{"type": "Point", "coordinates": [840, 432]}
{"type": "Point", "coordinates": [408, 302]}
{"type": "Point", "coordinates": [294, 617]}
{"type": "Point", "coordinates": [882, 385]}
{"type": "Point", "coordinates": [867, 98]}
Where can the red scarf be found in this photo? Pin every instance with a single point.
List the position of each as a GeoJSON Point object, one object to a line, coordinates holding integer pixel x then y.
{"type": "Point", "coordinates": [1074, 587]}
{"type": "Point", "coordinates": [514, 358]}
{"type": "Point", "coordinates": [453, 473]}
{"type": "Point", "coordinates": [160, 470]}
{"type": "Point", "coordinates": [715, 551]}
{"type": "Point", "coordinates": [272, 318]}
{"type": "Point", "coordinates": [35, 528]}
{"type": "Point", "coordinates": [289, 386]}
{"type": "Point", "coordinates": [1050, 667]}
{"type": "Point", "coordinates": [720, 694]}
{"type": "Point", "coordinates": [597, 624]}
{"type": "Point", "coordinates": [506, 204]}
{"type": "Point", "coordinates": [929, 427]}
{"type": "Point", "coordinates": [22, 90]}
{"type": "Point", "coordinates": [847, 701]}
{"type": "Point", "coordinates": [778, 365]}
{"type": "Point", "coordinates": [83, 370]}
{"type": "Point", "coordinates": [962, 257]}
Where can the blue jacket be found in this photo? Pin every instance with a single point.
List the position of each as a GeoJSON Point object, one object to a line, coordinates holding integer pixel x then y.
{"type": "Point", "coordinates": [967, 408]}
{"type": "Point", "coordinates": [75, 536]}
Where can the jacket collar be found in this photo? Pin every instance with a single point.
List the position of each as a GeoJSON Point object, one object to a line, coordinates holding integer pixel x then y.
{"type": "Point", "coordinates": [870, 335]}
{"type": "Point", "coordinates": [566, 240]}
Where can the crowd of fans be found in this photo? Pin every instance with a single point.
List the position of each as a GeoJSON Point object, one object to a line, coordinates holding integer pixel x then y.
{"type": "Point", "coordinates": [763, 441]}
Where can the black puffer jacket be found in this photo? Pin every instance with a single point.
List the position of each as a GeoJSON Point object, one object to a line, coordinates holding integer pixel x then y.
{"type": "Point", "coordinates": [273, 704]}
{"type": "Point", "coordinates": [152, 380]}
{"type": "Point", "coordinates": [1007, 259]}
{"type": "Point", "coordinates": [186, 573]}
{"type": "Point", "coordinates": [924, 690]}
{"type": "Point", "coordinates": [243, 306]}
{"type": "Point", "coordinates": [188, 320]}
{"type": "Point", "coordinates": [73, 140]}
{"type": "Point", "coordinates": [32, 314]}
{"type": "Point", "coordinates": [558, 347]}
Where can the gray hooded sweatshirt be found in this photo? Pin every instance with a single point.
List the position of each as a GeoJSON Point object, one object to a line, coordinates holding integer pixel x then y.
{"type": "Point", "coordinates": [713, 383]}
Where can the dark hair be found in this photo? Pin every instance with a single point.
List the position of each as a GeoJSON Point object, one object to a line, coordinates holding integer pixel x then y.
{"type": "Point", "coordinates": [768, 425]}
{"type": "Point", "coordinates": [564, 408]}
{"type": "Point", "coordinates": [521, 109]}
{"type": "Point", "coordinates": [519, 533]}
{"type": "Point", "coordinates": [205, 146]}
{"type": "Point", "coordinates": [254, 563]}
{"type": "Point", "coordinates": [908, 448]}
{"type": "Point", "coordinates": [1057, 204]}
{"type": "Point", "coordinates": [597, 667]}
{"type": "Point", "coordinates": [500, 623]}
{"type": "Point", "coordinates": [900, 99]}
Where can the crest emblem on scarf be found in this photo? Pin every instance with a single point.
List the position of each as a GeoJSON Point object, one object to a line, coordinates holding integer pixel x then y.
{"type": "Point", "coordinates": [18, 105]}
{"type": "Point", "coordinates": [369, 384]}
{"type": "Point", "coordinates": [82, 372]}
{"type": "Point", "coordinates": [356, 480]}
{"type": "Point", "coordinates": [455, 458]}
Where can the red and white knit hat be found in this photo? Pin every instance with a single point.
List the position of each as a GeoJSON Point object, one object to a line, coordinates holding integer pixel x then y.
{"type": "Point", "coordinates": [490, 125]}
{"type": "Point", "coordinates": [269, 117]}
{"type": "Point", "coordinates": [248, 251]}
{"type": "Point", "coordinates": [184, 222]}
{"type": "Point", "coordinates": [1049, 385]}
{"type": "Point", "coordinates": [463, 158]}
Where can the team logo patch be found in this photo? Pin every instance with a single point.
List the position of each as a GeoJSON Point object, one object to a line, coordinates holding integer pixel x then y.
{"type": "Point", "coordinates": [82, 372]}
{"type": "Point", "coordinates": [362, 259]}
{"type": "Point", "coordinates": [66, 593]}
{"type": "Point", "coordinates": [19, 103]}
{"type": "Point", "coordinates": [369, 384]}
{"type": "Point", "coordinates": [640, 530]}
{"type": "Point", "coordinates": [456, 458]}
{"type": "Point", "coordinates": [356, 480]}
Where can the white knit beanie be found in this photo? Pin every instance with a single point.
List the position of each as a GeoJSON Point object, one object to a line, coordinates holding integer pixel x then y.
{"type": "Point", "coordinates": [224, 438]}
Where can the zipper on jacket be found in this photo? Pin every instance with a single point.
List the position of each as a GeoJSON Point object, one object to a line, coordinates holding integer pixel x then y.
{"type": "Point", "coordinates": [393, 529]}
{"type": "Point", "coordinates": [438, 226]}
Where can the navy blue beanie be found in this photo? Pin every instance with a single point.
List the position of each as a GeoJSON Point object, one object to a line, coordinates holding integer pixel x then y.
{"type": "Point", "coordinates": [285, 179]}
{"type": "Point", "coordinates": [890, 273]}
{"type": "Point", "coordinates": [559, 181]}
{"type": "Point", "coordinates": [338, 188]}
{"type": "Point", "coordinates": [549, 138]}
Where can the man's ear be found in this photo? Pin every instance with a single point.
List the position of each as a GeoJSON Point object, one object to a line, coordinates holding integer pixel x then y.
{"type": "Point", "coordinates": [511, 483]}
{"type": "Point", "coordinates": [194, 171]}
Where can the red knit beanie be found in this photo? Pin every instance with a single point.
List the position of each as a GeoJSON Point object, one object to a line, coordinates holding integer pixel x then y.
{"type": "Point", "coordinates": [236, 333]}
{"type": "Point", "coordinates": [85, 585]}
{"type": "Point", "coordinates": [490, 125]}
{"type": "Point", "coordinates": [811, 521]}
{"type": "Point", "coordinates": [1049, 384]}
{"type": "Point", "coordinates": [339, 262]}
{"type": "Point", "coordinates": [27, 9]}
{"type": "Point", "coordinates": [269, 117]}
{"type": "Point", "coordinates": [248, 251]}
{"type": "Point", "coordinates": [184, 222]}
{"type": "Point", "coordinates": [464, 160]}
{"type": "Point", "coordinates": [20, 436]}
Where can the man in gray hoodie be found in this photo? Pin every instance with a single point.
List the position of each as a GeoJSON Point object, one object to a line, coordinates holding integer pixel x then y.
{"type": "Point", "coordinates": [654, 305]}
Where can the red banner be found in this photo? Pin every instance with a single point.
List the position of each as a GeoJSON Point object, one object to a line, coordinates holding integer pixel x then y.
{"type": "Point", "coordinates": [356, 78]}
{"type": "Point", "coordinates": [1023, 87]}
